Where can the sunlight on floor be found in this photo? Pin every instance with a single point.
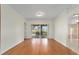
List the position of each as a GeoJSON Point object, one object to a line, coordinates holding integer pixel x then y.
{"type": "Point", "coordinates": [43, 41]}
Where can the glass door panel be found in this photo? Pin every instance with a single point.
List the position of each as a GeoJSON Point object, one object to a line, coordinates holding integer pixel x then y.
{"type": "Point", "coordinates": [36, 31]}
{"type": "Point", "coordinates": [44, 31]}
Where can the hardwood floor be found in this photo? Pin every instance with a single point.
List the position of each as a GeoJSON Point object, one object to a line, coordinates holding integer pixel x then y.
{"type": "Point", "coordinates": [39, 47]}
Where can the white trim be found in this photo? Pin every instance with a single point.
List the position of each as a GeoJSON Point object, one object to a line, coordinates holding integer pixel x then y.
{"type": "Point", "coordinates": [10, 47]}
{"type": "Point", "coordinates": [61, 43]}
{"type": "Point", "coordinates": [67, 46]}
{"type": "Point", "coordinates": [73, 50]}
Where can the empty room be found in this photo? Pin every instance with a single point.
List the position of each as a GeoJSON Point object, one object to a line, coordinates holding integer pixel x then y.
{"type": "Point", "coordinates": [39, 29]}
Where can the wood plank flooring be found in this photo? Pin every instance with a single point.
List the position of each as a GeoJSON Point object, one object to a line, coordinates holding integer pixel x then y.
{"type": "Point", "coordinates": [39, 47]}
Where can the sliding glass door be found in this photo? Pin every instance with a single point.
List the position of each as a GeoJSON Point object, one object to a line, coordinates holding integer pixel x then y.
{"type": "Point", "coordinates": [39, 30]}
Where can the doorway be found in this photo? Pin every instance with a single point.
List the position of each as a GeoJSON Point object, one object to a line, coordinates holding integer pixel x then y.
{"type": "Point", "coordinates": [39, 30]}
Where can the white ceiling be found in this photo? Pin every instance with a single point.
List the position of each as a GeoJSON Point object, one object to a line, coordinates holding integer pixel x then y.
{"type": "Point", "coordinates": [28, 11]}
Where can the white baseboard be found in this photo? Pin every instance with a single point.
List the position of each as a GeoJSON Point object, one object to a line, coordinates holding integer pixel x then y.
{"type": "Point", "coordinates": [67, 46]}
{"type": "Point", "coordinates": [10, 47]}
{"type": "Point", "coordinates": [61, 43]}
{"type": "Point", "coordinates": [73, 50]}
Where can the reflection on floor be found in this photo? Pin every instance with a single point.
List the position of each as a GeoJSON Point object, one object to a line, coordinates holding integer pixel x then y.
{"type": "Point", "coordinates": [39, 47]}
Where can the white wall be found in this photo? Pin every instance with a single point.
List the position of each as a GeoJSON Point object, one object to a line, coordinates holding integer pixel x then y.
{"type": "Point", "coordinates": [61, 25]}
{"type": "Point", "coordinates": [12, 28]}
{"type": "Point", "coordinates": [61, 28]}
{"type": "Point", "coordinates": [37, 21]}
